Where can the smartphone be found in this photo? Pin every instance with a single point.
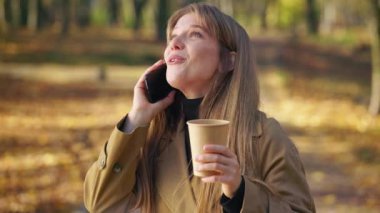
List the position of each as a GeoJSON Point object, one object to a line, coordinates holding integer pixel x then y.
{"type": "Point", "coordinates": [157, 86]}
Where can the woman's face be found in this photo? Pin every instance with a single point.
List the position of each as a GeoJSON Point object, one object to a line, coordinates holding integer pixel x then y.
{"type": "Point", "coordinates": [192, 57]}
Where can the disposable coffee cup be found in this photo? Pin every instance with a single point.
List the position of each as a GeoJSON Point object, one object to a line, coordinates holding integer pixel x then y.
{"type": "Point", "coordinates": [206, 131]}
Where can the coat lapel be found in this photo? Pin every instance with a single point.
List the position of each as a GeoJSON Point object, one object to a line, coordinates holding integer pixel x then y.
{"type": "Point", "coordinates": [172, 176]}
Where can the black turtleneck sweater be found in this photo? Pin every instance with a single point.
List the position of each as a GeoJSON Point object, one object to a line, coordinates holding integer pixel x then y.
{"type": "Point", "coordinates": [190, 109]}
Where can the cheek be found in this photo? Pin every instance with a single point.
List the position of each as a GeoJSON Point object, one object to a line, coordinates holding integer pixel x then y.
{"type": "Point", "coordinates": [208, 60]}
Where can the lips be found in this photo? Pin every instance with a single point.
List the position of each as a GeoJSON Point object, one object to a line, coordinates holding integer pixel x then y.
{"type": "Point", "coordinates": [176, 59]}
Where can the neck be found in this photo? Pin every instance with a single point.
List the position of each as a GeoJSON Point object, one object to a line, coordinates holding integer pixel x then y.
{"type": "Point", "coordinates": [194, 94]}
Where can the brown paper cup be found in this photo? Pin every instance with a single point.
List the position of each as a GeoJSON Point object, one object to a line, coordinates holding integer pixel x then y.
{"type": "Point", "coordinates": [206, 131]}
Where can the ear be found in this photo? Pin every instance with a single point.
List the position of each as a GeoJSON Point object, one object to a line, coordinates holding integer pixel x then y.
{"type": "Point", "coordinates": [231, 61]}
{"type": "Point", "coordinates": [228, 61]}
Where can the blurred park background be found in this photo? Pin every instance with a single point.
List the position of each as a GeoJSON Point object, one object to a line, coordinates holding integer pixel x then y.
{"type": "Point", "coordinates": [67, 69]}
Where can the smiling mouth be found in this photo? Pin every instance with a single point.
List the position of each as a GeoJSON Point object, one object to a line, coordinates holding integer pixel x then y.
{"type": "Point", "coordinates": [176, 60]}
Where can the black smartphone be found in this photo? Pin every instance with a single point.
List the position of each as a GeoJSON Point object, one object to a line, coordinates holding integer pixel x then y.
{"type": "Point", "coordinates": [156, 84]}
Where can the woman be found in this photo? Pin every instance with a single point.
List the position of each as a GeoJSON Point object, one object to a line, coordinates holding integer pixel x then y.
{"type": "Point", "coordinates": [145, 165]}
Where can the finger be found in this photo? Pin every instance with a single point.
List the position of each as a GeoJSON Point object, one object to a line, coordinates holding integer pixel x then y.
{"type": "Point", "coordinates": [150, 69]}
{"type": "Point", "coordinates": [214, 148]}
{"type": "Point", "coordinates": [210, 157]}
{"type": "Point", "coordinates": [154, 66]}
{"type": "Point", "coordinates": [166, 101]}
{"type": "Point", "coordinates": [217, 178]}
{"type": "Point", "coordinates": [223, 169]}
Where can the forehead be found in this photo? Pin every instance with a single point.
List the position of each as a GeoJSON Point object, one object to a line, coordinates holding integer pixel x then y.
{"type": "Point", "coordinates": [192, 20]}
{"type": "Point", "coordinates": [187, 20]}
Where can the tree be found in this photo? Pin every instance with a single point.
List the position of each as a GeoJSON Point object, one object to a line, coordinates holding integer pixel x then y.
{"type": "Point", "coordinates": [312, 16]}
{"type": "Point", "coordinates": [115, 12]}
{"type": "Point", "coordinates": [32, 15]}
{"type": "Point", "coordinates": [263, 14]}
{"type": "Point", "coordinates": [375, 29]}
{"type": "Point", "coordinates": [15, 7]}
{"type": "Point", "coordinates": [68, 16]}
{"type": "Point", "coordinates": [162, 18]}
{"type": "Point", "coordinates": [3, 22]}
{"type": "Point", "coordinates": [23, 13]}
{"type": "Point", "coordinates": [138, 8]}
{"type": "Point", "coordinates": [83, 13]}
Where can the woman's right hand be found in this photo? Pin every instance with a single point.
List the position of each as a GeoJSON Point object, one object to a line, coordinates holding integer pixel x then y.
{"type": "Point", "coordinates": [143, 111]}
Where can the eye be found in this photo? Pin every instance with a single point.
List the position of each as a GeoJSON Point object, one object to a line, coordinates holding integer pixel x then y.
{"type": "Point", "coordinates": [196, 34]}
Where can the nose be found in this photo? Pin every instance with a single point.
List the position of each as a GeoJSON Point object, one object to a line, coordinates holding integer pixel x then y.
{"type": "Point", "coordinates": [176, 43]}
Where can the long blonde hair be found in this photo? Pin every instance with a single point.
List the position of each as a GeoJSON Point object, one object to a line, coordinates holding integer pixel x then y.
{"type": "Point", "coordinates": [233, 96]}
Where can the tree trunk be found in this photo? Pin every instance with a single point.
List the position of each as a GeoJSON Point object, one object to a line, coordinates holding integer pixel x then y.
{"type": "Point", "coordinates": [68, 16]}
{"type": "Point", "coordinates": [32, 15]}
{"type": "Point", "coordinates": [3, 22]}
{"type": "Point", "coordinates": [115, 12]}
{"type": "Point", "coordinates": [374, 105]}
{"type": "Point", "coordinates": [312, 16]}
{"type": "Point", "coordinates": [329, 17]}
{"type": "Point", "coordinates": [162, 18]}
{"type": "Point", "coordinates": [263, 15]}
{"type": "Point", "coordinates": [15, 6]}
{"type": "Point", "coordinates": [24, 13]}
{"type": "Point", "coordinates": [83, 13]}
{"type": "Point", "coordinates": [65, 17]}
{"type": "Point", "coordinates": [138, 8]}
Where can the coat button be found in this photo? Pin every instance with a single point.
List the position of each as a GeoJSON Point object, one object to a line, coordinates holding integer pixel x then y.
{"type": "Point", "coordinates": [116, 168]}
{"type": "Point", "coordinates": [102, 162]}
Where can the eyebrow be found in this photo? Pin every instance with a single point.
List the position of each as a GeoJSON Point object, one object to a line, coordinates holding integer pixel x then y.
{"type": "Point", "coordinates": [197, 26]}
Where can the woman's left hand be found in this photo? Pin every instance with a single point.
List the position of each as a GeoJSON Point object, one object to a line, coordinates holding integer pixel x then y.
{"type": "Point", "coordinates": [222, 160]}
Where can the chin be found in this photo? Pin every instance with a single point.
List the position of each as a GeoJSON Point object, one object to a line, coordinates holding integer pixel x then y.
{"type": "Point", "coordinates": [174, 79]}
{"type": "Point", "coordinates": [175, 84]}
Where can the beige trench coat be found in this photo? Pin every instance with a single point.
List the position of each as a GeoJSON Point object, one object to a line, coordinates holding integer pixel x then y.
{"type": "Point", "coordinates": [283, 188]}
